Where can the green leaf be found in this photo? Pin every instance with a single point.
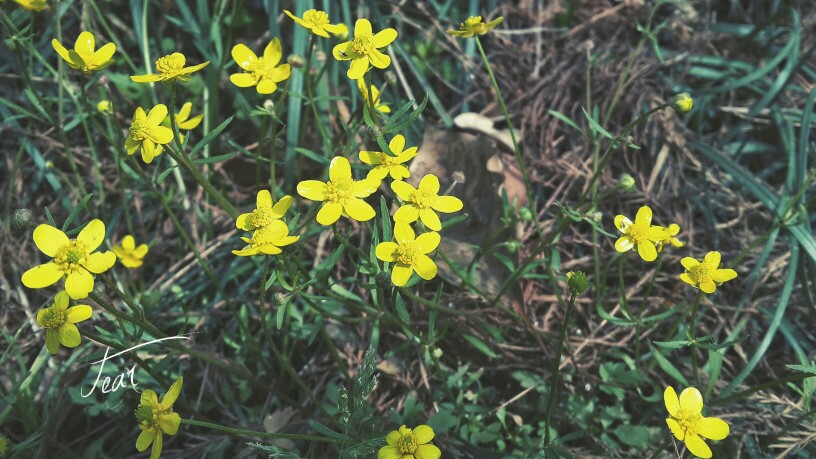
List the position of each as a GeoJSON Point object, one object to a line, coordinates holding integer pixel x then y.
{"type": "Point", "coordinates": [210, 136]}
{"type": "Point", "coordinates": [668, 367]}
{"type": "Point", "coordinates": [215, 159]}
{"type": "Point", "coordinates": [672, 344]}
{"type": "Point", "coordinates": [75, 211]}
{"type": "Point", "coordinates": [480, 345]}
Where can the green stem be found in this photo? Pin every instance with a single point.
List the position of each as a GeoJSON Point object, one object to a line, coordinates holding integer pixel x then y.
{"type": "Point", "coordinates": [252, 433]}
{"type": "Point", "coordinates": [642, 308]}
{"type": "Point", "coordinates": [198, 177]}
{"type": "Point", "coordinates": [557, 367]}
{"type": "Point", "coordinates": [693, 337]}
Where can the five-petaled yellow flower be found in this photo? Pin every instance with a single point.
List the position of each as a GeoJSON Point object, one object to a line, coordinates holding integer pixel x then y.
{"type": "Point", "coordinates": [262, 72]}
{"type": "Point", "coordinates": [374, 95]}
{"type": "Point", "coordinates": [687, 422]}
{"type": "Point", "coordinates": [365, 49]}
{"type": "Point", "coordinates": [84, 56]}
{"type": "Point", "coordinates": [266, 211]}
{"type": "Point", "coordinates": [706, 274]}
{"type": "Point", "coordinates": [73, 259]}
{"type": "Point", "coordinates": [671, 231]}
{"type": "Point", "coordinates": [128, 254]}
{"type": "Point", "coordinates": [170, 68]}
{"type": "Point", "coordinates": [386, 164]}
{"type": "Point", "coordinates": [342, 194]}
{"type": "Point", "coordinates": [33, 5]}
{"type": "Point", "coordinates": [408, 443]}
{"type": "Point", "coordinates": [474, 26]}
{"type": "Point", "coordinates": [317, 22]}
{"type": "Point", "coordinates": [157, 418]}
{"type": "Point", "coordinates": [640, 235]}
{"type": "Point", "coordinates": [58, 321]}
{"type": "Point", "coordinates": [147, 133]}
{"type": "Point", "coordinates": [424, 202]}
{"type": "Point", "coordinates": [267, 240]}
{"type": "Point", "coordinates": [410, 253]}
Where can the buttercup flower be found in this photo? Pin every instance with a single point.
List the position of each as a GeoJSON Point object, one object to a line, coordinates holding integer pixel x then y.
{"type": "Point", "coordinates": [33, 5]}
{"type": "Point", "coordinates": [83, 56]}
{"type": "Point", "coordinates": [410, 253]}
{"type": "Point", "coordinates": [73, 259]}
{"type": "Point", "coordinates": [474, 26]}
{"type": "Point", "coordinates": [408, 443]}
{"type": "Point", "coordinates": [706, 274]}
{"type": "Point", "coordinates": [364, 49]}
{"type": "Point", "coordinates": [265, 212]}
{"type": "Point", "coordinates": [262, 72]}
{"type": "Point", "coordinates": [342, 195]}
{"type": "Point", "coordinates": [672, 231]}
{"type": "Point", "coordinates": [127, 252]}
{"type": "Point", "coordinates": [58, 321]}
{"type": "Point", "coordinates": [170, 68]}
{"type": "Point", "coordinates": [373, 94]}
{"type": "Point", "coordinates": [147, 133]}
{"type": "Point", "coordinates": [424, 202]}
{"type": "Point", "coordinates": [640, 234]}
{"type": "Point", "coordinates": [157, 418]}
{"type": "Point", "coordinates": [267, 240]}
{"type": "Point", "coordinates": [688, 424]}
{"type": "Point", "coordinates": [386, 164]}
{"type": "Point", "coordinates": [317, 22]}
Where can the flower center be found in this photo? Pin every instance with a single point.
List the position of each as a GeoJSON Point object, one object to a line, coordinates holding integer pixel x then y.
{"type": "Point", "coordinates": [388, 161]}
{"type": "Point", "coordinates": [340, 191]}
{"type": "Point", "coordinates": [406, 254]}
{"type": "Point", "coordinates": [363, 44]}
{"type": "Point", "coordinates": [701, 273]}
{"type": "Point", "coordinates": [170, 64]}
{"type": "Point", "coordinates": [316, 18]}
{"type": "Point", "coordinates": [690, 423]}
{"type": "Point", "coordinates": [262, 69]}
{"type": "Point", "coordinates": [139, 129]}
{"type": "Point", "coordinates": [71, 255]}
{"type": "Point", "coordinates": [408, 443]}
{"type": "Point", "coordinates": [638, 233]}
{"type": "Point", "coordinates": [53, 317]}
{"type": "Point", "coordinates": [262, 217]}
{"type": "Point", "coordinates": [423, 199]}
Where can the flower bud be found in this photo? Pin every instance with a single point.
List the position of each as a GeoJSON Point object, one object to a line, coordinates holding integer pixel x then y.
{"type": "Point", "coordinates": [525, 214]}
{"type": "Point", "coordinates": [682, 102]}
{"type": "Point", "coordinates": [437, 352]}
{"type": "Point", "coordinates": [373, 132]}
{"type": "Point", "coordinates": [577, 282]}
{"type": "Point", "coordinates": [295, 61]}
{"type": "Point", "coordinates": [458, 176]}
{"type": "Point", "coordinates": [22, 220]}
{"type": "Point", "coordinates": [626, 183]}
{"type": "Point", "coordinates": [269, 105]}
{"type": "Point", "coordinates": [104, 107]}
{"type": "Point", "coordinates": [513, 246]}
{"type": "Point", "coordinates": [390, 77]}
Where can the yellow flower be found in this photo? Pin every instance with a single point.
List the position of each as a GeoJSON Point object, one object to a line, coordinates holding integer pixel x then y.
{"type": "Point", "coordinates": [410, 253]}
{"type": "Point", "coordinates": [672, 231]}
{"type": "Point", "coordinates": [474, 26]}
{"type": "Point", "coordinates": [170, 68]}
{"type": "Point", "coordinates": [157, 418]}
{"type": "Point", "coordinates": [267, 240]}
{"type": "Point", "coordinates": [73, 259]}
{"type": "Point", "coordinates": [266, 212]}
{"type": "Point", "coordinates": [33, 5]}
{"type": "Point", "coordinates": [386, 164]}
{"type": "Point", "coordinates": [83, 57]}
{"type": "Point", "coordinates": [317, 22]}
{"type": "Point", "coordinates": [705, 274]}
{"type": "Point", "coordinates": [183, 120]}
{"type": "Point", "coordinates": [374, 94]}
{"type": "Point", "coordinates": [342, 194]}
{"type": "Point", "coordinates": [58, 321]}
{"type": "Point", "coordinates": [688, 424]}
{"type": "Point", "coordinates": [424, 202]}
{"type": "Point", "coordinates": [640, 234]}
{"type": "Point", "coordinates": [408, 443]}
{"type": "Point", "coordinates": [130, 255]}
{"type": "Point", "coordinates": [364, 49]}
{"type": "Point", "coordinates": [262, 72]}
{"type": "Point", "coordinates": [104, 107]}
{"type": "Point", "coordinates": [147, 133]}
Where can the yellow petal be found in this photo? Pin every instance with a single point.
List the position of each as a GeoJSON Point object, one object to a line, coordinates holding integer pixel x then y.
{"type": "Point", "coordinates": [407, 213]}
{"type": "Point", "coordinates": [425, 267]}
{"type": "Point", "coordinates": [724, 275]}
{"type": "Point", "coordinates": [624, 244]}
{"type": "Point", "coordinates": [393, 438]}
{"type": "Point", "coordinates": [273, 52]}
{"type": "Point", "coordinates": [657, 233]}
{"type": "Point", "coordinates": [384, 37]}
{"type": "Point", "coordinates": [676, 429]}
{"type": "Point", "coordinates": [312, 189]}
{"type": "Point", "coordinates": [244, 56]}
{"type": "Point", "coordinates": [343, 51]}
{"type": "Point", "coordinates": [714, 428]}
{"type": "Point", "coordinates": [149, 397]}
{"type": "Point", "coordinates": [269, 249]}
{"type": "Point", "coordinates": [691, 401]}
{"type": "Point", "coordinates": [280, 208]}
{"type": "Point", "coordinates": [148, 151]}
{"type": "Point", "coordinates": [281, 73]}
{"type": "Point", "coordinates": [378, 59]}
{"type": "Point", "coordinates": [103, 55]}
{"type": "Point", "coordinates": [400, 274]}
{"type": "Point", "coordinates": [386, 251]}
{"type": "Point", "coordinates": [644, 216]}
{"type": "Point", "coordinates": [430, 219]}
{"type": "Point", "coordinates": [52, 340]}
{"type": "Point", "coordinates": [403, 190]}
{"type": "Point", "coordinates": [148, 78]}
{"type": "Point", "coordinates": [697, 446]}
{"type": "Point", "coordinates": [671, 401]}
{"type": "Point", "coordinates": [169, 423]}
{"type": "Point", "coordinates": [424, 434]}
{"type": "Point", "coordinates": [427, 242]}
{"type": "Point", "coordinates": [92, 235]}
{"type": "Point", "coordinates": [358, 68]}
{"type": "Point", "coordinates": [243, 80]}
{"type": "Point", "coordinates": [339, 169]}
{"type": "Point", "coordinates": [61, 300]}
{"type": "Point", "coordinates": [408, 154]}
{"type": "Point", "coordinates": [334, 29]}
{"type": "Point", "coordinates": [362, 27]}
{"type": "Point", "coordinates": [427, 451]}
{"type": "Point", "coordinates": [447, 204]}
{"type": "Point", "coordinates": [647, 251]}
{"type": "Point", "coordinates": [155, 452]}
{"type": "Point", "coordinates": [62, 51]}
{"type": "Point", "coordinates": [389, 452]}
{"type": "Point", "coordinates": [49, 239]}
{"type": "Point", "coordinates": [194, 68]}
{"type": "Point", "coordinates": [69, 335]}
{"type": "Point", "coordinates": [687, 279]}
{"type": "Point", "coordinates": [263, 199]}
{"type": "Point", "coordinates": [689, 263]}
{"type": "Point", "coordinates": [100, 262]}
{"type": "Point", "coordinates": [359, 210]}
{"type": "Point", "coordinates": [403, 233]}
{"type": "Point", "coordinates": [84, 46]}
{"type": "Point", "coordinates": [140, 251]}
{"type": "Point", "coordinates": [622, 223]}
{"type": "Point", "coordinates": [42, 276]}
{"type": "Point", "coordinates": [244, 222]}
{"type": "Point", "coordinates": [329, 213]}
{"type": "Point", "coordinates": [128, 242]}
{"type": "Point", "coordinates": [399, 172]}
{"type": "Point", "coordinates": [713, 259]}
{"type": "Point", "coordinates": [266, 86]}
{"type": "Point", "coordinates": [364, 188]}
{"type": "Point", "coordinates": [157, 114]}
{"type": "Point", "coordinates": [370, 157]}
{"type": "Point", "coordinates": [708, 287]}
{"type": "Point", "coordinates": [172, 393]}
{"type": "Point", "coordinates": [78, 313]}
{"type": "Point", "coordinates": [429, 184]}
{"type": "Point", "coordinates": [144, 440]}
{"type": "Point", "coordinates": [79, 284]}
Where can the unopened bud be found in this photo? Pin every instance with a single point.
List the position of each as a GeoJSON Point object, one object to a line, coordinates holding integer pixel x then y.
{"type": "Point", "coordinates": [577, 282]}
{"type": "Point", "coordinates": [513, 246]}
{"type": "Point", "coordinates": [295, 61]}
{"type": "Point", "coordinates": [22, 220]}
{"type": "Point", "coordinates": [437, 352]}
{"type": "Point", "coordinates": [390, 77]}
{"type": "Point", "coordinates": [373, 132]}
{"type": "Point", "coordinates": [626, 183]}
{"type": "Point", "coordinates": [525, 214]}
{"type": "Point", "coordinates": [104, 107]}
{"type": "Point", "coordinates": [682, 103]}
{"type": "Point", "coordinates": [458, 176]}
{"type": "Point", "coordinates": [269, 105]}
